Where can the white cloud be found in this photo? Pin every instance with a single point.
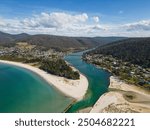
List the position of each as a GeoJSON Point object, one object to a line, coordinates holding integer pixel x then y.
{"type": "Point", "coordinates": [96, 19]}
{"type": "Point", "coordinates": [2, 22]}
{"type": "Point", "coordinates": [141, 25]}
{"type": "Point", "coordinates": [58, 23]}
{"type": "Point", "coordinates": [55, 20]}
{"type": "Point", "coordinates": [61, 23]}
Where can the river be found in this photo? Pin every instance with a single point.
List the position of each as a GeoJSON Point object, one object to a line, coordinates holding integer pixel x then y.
{"type": "Point", "coordinates": [24, 91]}
{"type": "Point", "coordinates": [98, 81]}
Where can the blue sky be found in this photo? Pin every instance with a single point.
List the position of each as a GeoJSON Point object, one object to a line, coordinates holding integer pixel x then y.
{"type": "Point", "coordinates": [107, 17]}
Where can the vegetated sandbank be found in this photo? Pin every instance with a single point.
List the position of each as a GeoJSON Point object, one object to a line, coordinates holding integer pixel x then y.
{"type": "Point", "coordinates": [71, 88]}
{"type": "Point", "coordinates": [123, 98]}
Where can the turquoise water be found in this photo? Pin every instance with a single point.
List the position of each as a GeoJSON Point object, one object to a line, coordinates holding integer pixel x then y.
{"type": "Point", "coordinates": [98, 81]}
{"type": "Point", "coordinates": [23, 91]}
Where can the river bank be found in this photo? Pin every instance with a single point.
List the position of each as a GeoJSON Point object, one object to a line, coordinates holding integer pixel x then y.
{"type": "Point", "coordinates": [98, 82]}
{"type": "Point", "coordinates": [123, 98]}
{"type": "Point", "coordinates": [71, 88]}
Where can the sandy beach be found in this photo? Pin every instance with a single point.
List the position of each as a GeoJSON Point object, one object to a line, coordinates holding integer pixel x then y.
{"type": "Point", "coordinates": [123, 98]}
{"type": "Point", "coordinates": [71, 88]}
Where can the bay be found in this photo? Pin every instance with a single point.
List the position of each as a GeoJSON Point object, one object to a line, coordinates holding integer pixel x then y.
{"type": "Point", "coordinates": [24, 91]}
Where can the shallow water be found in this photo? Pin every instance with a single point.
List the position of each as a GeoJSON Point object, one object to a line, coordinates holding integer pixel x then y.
{"type": "Point", "coordinates": [24, 91]}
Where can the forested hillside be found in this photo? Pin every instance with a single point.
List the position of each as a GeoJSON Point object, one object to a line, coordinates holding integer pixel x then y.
{"type": "Point", "coordinates": [134, 50]}
{"type": "Point", "coordinates": [60, 43]}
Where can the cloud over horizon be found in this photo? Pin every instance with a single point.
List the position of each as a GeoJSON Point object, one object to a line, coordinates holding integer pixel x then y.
{"type": "Point", "coordinates": [68, 24]}
{"type": "Point", "coordinates": [143, 25]}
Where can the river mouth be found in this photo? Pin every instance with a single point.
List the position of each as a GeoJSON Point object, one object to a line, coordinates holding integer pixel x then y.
{"type": "Point", "coordinates": [98, 81]}
{"type": "Point", "coordinates": [27, 92]}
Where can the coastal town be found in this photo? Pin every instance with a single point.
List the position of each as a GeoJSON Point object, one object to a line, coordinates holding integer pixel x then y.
{"type": "Point", "coordinates": [23, 51]}
{"type": "Point", "coordinates": [131, 73]}
{"type": "Point", "coordinates": [129, 87]}
{"type": "Point", "coordinates": [48, 60]}
{"type": "Point", "coordinates": [48, 64]}
{"type": "Point", "coordinates": [71, 56]}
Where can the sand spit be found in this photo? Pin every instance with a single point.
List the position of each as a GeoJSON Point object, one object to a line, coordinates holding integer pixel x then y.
{"type": "Point", "coordinates": [71, 88]}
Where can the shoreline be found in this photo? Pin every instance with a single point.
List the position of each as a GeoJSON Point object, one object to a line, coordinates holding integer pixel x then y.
{"type": "Point", "coordinates": [71, 88]}
{"type": "Point", "coordinates": [122, 98]}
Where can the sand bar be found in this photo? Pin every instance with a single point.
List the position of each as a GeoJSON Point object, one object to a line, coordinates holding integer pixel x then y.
{"type": "Point", "coordinates": [123, 98]}
{"type": "Point", "coordinates": [71, 88]}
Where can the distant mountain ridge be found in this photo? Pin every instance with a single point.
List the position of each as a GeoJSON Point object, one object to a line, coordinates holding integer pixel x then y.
{"type": "Point", "coordinates": [51, 41]}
